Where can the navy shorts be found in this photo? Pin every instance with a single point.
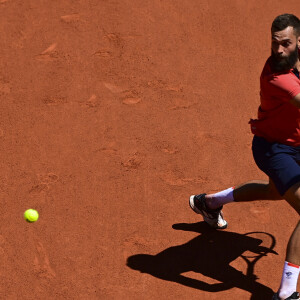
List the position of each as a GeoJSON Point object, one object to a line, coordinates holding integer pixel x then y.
{"type": "Point", "coordinates": [280, 162]}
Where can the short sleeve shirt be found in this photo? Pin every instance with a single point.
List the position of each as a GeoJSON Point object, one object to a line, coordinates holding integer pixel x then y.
{"type": "Point", "coordinates": [278, 120]}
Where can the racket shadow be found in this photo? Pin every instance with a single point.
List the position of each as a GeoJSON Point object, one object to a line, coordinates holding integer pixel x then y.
{"type": "Point", "coordinates": [209, 254]}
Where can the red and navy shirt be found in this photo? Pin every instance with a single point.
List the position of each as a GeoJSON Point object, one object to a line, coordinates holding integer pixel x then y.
{"type": "Point", "coordinates": [278, 120]}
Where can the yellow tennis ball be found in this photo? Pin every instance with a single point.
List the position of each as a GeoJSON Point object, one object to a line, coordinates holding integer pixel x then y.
{"type": "Point", "coordinates": [31, 215]}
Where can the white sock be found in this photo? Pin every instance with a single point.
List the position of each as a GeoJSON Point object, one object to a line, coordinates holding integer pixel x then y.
{"type": "Point", "coordinates": [289, 280]}
{"type": "Point", "coordinates": [216, 200]}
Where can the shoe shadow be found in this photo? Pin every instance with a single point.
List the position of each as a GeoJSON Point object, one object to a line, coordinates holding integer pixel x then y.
{"type": "Point", "coordinates": [209, 254]}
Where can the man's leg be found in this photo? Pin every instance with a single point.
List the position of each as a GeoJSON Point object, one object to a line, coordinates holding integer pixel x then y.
{"type": "Point", "coordinates": [263, 190]}
{"type": "Point", "coordinates": [292, 261]}
{"type": "Point", "coordinates": [249, 191]}
{"type": "Point", "coordinates": [256, 190]}
{"type": "Point", "coordinates": [293, 247]}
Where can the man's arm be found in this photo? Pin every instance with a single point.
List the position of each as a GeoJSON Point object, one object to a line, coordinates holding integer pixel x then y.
{"type": "Point", "coordinates": [296, 101]}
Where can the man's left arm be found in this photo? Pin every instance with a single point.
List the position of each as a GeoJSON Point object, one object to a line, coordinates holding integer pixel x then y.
{"type": "Point", "coordinates": [287, 86]}
{"type": "Point", "coordinates": [296, 101]}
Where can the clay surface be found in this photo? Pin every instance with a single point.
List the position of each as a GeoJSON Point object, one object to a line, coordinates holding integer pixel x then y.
{"type": "Point", "coordinates": [112, 113]}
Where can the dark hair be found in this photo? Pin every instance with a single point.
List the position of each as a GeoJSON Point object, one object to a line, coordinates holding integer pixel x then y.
{"type": "Point", "coordinates": [283, 21]}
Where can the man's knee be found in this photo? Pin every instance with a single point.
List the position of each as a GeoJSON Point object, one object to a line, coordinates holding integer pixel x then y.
{"type": "Point", "coordinates": [274, 195]}
{"type": "Point", "coordinates": [273, 192]}
{"type": "Point", "coordinates": [292, 196]}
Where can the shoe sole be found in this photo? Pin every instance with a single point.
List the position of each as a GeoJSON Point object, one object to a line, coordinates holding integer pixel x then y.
{"type": "Point", "coordinates": [276, 297]}
{"type": "Point", "coordinates": [207, 220]}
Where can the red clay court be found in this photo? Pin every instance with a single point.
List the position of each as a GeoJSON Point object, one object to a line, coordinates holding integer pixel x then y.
{"type": "Point", "coordinates": [112, 114]}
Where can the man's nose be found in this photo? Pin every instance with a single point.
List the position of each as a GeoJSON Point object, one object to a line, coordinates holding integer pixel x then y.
{"type": "Point", "coordinates": [279, 49]}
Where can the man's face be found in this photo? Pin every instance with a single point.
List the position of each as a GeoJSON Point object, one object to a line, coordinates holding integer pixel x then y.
{"type": "Point", "coordinates": [284, 49]}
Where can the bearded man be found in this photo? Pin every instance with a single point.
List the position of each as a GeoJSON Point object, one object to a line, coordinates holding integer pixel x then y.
{"type": "Point", "coordinates": [275, 146]}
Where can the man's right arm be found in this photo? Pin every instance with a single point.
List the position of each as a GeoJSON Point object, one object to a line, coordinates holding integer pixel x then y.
{"type": "Point", "coordinates": [296, 101]}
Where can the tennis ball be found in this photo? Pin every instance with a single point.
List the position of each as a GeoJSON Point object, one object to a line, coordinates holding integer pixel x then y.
{"type": "Point", "coordinates": [31, 215]}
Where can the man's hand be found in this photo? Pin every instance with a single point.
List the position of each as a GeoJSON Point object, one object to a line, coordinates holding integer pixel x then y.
{"type": "Point", "coordinates": [296, 101]}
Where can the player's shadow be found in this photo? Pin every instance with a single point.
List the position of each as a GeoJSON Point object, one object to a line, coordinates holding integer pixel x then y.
{"type": "Point", "coordinates": [209, 254]}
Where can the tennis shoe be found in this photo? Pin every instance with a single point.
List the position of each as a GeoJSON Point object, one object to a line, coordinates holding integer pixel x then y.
{"type": "Point", "coordinates": [213, 217]}
{"type": "Point", "coordinates": [294, 296]}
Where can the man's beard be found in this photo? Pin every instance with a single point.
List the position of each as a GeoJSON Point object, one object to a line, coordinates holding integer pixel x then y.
{"type": "Point", "coordinates": [284, 64]}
